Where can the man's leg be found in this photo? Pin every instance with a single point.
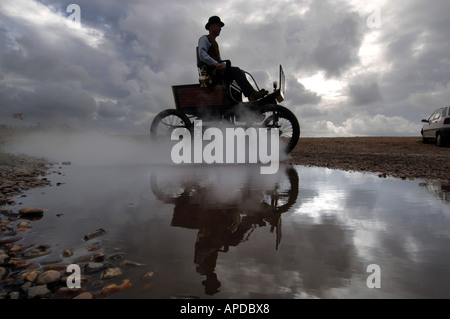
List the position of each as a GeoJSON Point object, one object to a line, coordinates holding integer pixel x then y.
{"type": "Point", "coordinates": [239, 76]}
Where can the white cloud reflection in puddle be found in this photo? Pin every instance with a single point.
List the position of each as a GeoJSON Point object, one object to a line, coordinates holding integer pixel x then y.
{"type": "Point", "coordinates": [229, 232]}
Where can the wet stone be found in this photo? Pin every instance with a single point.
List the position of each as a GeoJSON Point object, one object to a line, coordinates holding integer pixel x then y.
{"type": "Point", "coordinates": [14, 295]}
{"type": "Point", "coordinates": [32, 211]}
{"type": "Point", "coordinates": [18, 263]}
{"type": "Point", "coordinates": [84, 295]}
{"type": "Point", "coordinates": [9, 239]}
{"type": "Point", "coordinates": [55, 267]}
{"type": "Point", "coordinates": [129, 263]}
{"type": "Point", "coordinates": [48, 277]}
{"type": "Point", "coordinates": [37, 252]}
{"type": "Point", "coordinates": [83, 258]}
{"type": "Point", "coordinates": [148, 275]}
{"type": "Point", "coordinates": [94, 234]}
{"type": "Point", "coordinates": [67, 253]}
{"type": "Point", "coordinates": [3, 257]}
{"type": "Point", "coordinates": [98, 257]}
{"type": "Point", "coordinates": [66, 292]}
{"type": "Point", "coordinates": [113, 288]}
{"type": "Point", "coordinates": [116, 256]}
{"type": "Point", "coordinates": [112, 272]}
{"type": "Point", "coordinates": [3, 272]}
{"type": "Point", "coordinates": [24, 225]}
{"type": "Point", "coordinates": [95, 247]}
{"type": "Point", "coordinates": [40, 291]}
{"type": "Point", "coordinates": [26, 286]}
{"type": "Point", "coordinates": [93, 267]}
{"type": "Point", "coordinates": [31, 276]}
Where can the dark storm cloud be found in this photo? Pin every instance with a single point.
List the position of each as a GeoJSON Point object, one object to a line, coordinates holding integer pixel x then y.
{"type": "Point", "coordinates": [47, 102]}
{"type": "Point", "coordinates": [308, 36]}
{"type": "Point", "coordinates": [337, 48]}
{"type": "Point", "coordinates": [302, 96]}
{"type": "Point", "coordinates": [55, 71]}
{"type": "Point", "coordinates": [365, 93]}
{"type": "Point", "coordinates": [118, 68]}
{"type": "Point", "coordinates": [418, 50]}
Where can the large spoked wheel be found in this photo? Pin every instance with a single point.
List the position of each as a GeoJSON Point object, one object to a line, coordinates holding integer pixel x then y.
{"type": "Point", "coordinates": [277, 116]}
{"type": "Point", "coordinates": [166, 121]}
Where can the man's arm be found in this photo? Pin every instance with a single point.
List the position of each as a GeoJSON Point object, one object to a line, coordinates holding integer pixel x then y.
{"type": "Point", "coordinates": [203, 47]}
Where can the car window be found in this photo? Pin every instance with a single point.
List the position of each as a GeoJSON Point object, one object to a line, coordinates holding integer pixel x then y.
{"type": "Point", "coordinates": [432, 116]}
{"type": "Point", "coordinates": [437, 115]}
{"type": "Point", "coordinates": [444, 112]}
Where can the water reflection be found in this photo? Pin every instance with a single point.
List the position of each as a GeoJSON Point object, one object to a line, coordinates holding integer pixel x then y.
{"type": "Point", "coordinates": [230, 232]}
{"type": "Point", "coordinates": [225, 217]}
{"type": "Point", "coordinates": [439, 188]}
{"type": "Point", "coordinates": [336, 224]}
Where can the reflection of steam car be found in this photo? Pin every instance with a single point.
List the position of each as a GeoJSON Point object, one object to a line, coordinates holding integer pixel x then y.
{"type": "Point", "coordinates": [437, 126]}
{"type": "Point", "coordinates": [221, 101]}
{"type": "Point", "coordinates": [198, 197]}
{"type": "Point", "coordinates": [199, 189]}
{"type": "Point", "coordinates": [438, 188]}
{"type": "Point", "coordinates": [224, 219]}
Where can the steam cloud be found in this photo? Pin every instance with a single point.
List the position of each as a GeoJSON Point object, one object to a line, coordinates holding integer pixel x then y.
{"type": "Point", "coordinates": [93, 148]}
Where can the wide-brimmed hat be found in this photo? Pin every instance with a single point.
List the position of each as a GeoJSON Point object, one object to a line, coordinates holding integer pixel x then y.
{"type": "Point", "coordinates": [212, 20]}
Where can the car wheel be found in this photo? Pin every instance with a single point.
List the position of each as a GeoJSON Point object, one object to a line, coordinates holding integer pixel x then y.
{"type": "Point", "coordinates": [439, 141]}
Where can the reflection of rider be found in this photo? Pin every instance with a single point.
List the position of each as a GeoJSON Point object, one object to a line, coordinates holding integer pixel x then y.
{"type": "Point", "coordinates": [222, 225]}
{"type": "Point", "coordinates": [206, 253]}
{"type": "Point", "coordinates": [218, 231]}
{"type": "Point", "coordinates": [209, 55]}
{"type": "Point", "coordinates": [213, 232]}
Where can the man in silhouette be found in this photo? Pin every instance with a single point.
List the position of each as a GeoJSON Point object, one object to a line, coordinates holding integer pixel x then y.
{"type": "Point", "coordinates": [209, 56]}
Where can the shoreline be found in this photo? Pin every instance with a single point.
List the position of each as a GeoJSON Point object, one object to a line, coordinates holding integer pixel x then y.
{"type": "Point", "coordinates": [399, 157]}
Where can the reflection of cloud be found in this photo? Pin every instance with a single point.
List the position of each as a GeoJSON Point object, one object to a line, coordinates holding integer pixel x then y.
{"type": "Point", "coordinates": [227, 213]}
{"type": "Point", "coordinates": [388, 222]}
{"type": "Point", "coordinates": [317, 207]}
{"type": "Point", "coordinates": [439, 188]}
{"type": "Point", "coordinates": [366, 220]}
{"type": "Point", "coordinates": [323, 255]}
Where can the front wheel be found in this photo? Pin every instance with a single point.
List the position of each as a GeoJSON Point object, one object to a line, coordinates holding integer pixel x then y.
{"type": "Point", "coordinates": [277, 116]}
{"type": "Point", "coordinates": [166, 121]}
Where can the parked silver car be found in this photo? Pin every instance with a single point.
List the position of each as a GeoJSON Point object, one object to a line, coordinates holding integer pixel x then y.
{"type": "Point", "coordinates": [437, 127]}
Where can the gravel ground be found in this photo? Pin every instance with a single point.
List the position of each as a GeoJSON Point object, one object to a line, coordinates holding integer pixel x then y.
{"type": "Point", "coordinates": [401, 157]}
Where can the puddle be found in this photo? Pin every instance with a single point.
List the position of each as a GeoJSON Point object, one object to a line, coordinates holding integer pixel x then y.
{"type": "Point", "coordinates": [230, 232]}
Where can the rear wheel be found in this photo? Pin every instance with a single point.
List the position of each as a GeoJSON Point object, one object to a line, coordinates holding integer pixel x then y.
{"type": "Point", "coordinates": [166, 121]}
{"type": "Point", "coordinates": [439, 140]}
{"type": "Point", "coordinates": [277, 116]}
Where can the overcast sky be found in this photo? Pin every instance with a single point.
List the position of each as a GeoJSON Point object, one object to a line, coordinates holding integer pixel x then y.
{"type": "Point", "coordinates": [352, 67]}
